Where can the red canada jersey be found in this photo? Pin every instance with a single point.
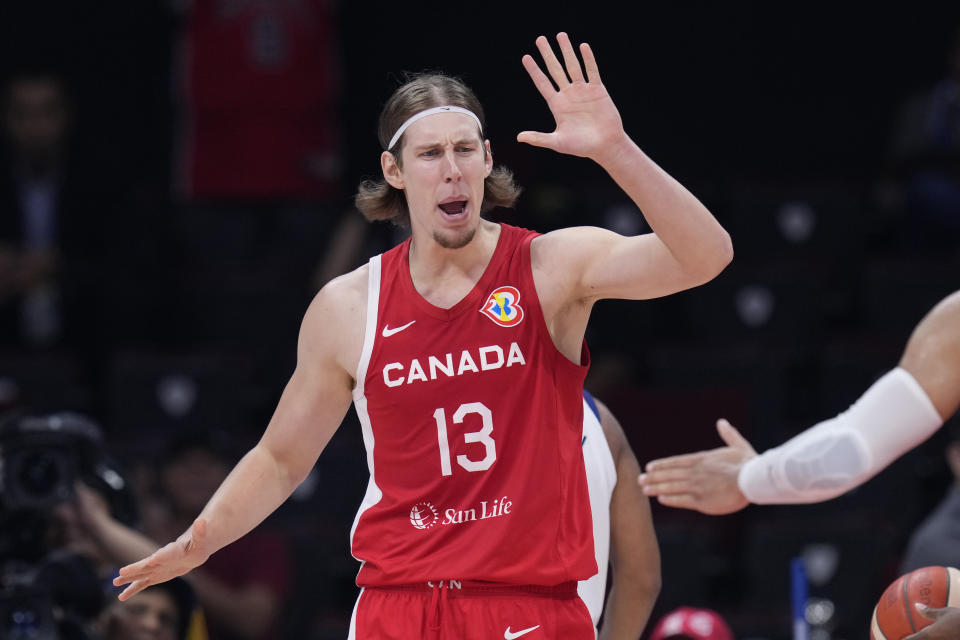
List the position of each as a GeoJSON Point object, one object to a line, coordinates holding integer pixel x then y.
{"type": "Point", "coordinates": [472, 421]}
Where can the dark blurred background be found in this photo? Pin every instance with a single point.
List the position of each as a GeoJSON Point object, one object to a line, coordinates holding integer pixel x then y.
{"type": "Point", "coordinates": [177, 180]}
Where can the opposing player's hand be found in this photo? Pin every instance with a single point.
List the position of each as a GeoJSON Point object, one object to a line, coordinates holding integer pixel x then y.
{"type": "Point", "coordinates": [588, 123]}
{"type": "Point", "coordinates": [705, 481]}
{"type": "Point", "coordinates": [945, 627]}
{"type": "Point", "coordinates": [171, 561]}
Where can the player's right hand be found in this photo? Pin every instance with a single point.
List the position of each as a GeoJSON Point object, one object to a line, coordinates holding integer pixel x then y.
{"type": "Point", "coordinates": [166, 563]}
{"type": "Point", "coordinates": [945, 627]}
{"type": "Point", "coordinates": [705, 481]}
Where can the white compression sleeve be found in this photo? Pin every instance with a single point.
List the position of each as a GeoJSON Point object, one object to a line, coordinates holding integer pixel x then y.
{"type": "Point", "coordinates": [829, 459]}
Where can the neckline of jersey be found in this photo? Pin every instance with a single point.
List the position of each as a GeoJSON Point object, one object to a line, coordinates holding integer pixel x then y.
{"type": "Point", "coordinates": [472, 298]}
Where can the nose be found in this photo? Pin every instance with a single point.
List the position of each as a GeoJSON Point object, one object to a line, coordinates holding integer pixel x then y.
{"type": "Point", "coordinates": [451, 170]}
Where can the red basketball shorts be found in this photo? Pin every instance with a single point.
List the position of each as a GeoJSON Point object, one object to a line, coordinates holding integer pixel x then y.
{"type": "Point", "coordinates": [471, 611]}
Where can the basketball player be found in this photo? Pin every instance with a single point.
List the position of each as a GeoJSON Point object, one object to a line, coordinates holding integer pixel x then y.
{"type": "Point", "coordinates": [623, 532]}
{"type": "Point", "coordinates": [901, 410]}
{"type": "Point", "coordinates": [462, 349]}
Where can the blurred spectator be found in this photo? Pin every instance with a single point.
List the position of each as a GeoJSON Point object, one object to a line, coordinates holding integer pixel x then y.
{"type": "Point", "coordinates": [90, 529]}
{"type": "Point", "coordinates": [926, 153]}
{"type": "Point", "coordinates": [50, 219]}
{"type": "Point", "coordinates": [242, 588]}
{"type": "Point", "coordinates": [162, 612]}
{"type": "Point", "coordinates": [937, 540]}
{"type": "Point", "coordinates": [687, 623]}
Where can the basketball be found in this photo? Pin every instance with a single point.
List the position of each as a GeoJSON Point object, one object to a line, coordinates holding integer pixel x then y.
{"type": "Point", "coordinates": [896, 617]}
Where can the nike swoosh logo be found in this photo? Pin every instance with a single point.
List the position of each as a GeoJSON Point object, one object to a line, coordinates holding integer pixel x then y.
{"type": "Point", "coordinates": [511, 635]}
{"type": "Point", "coordinates": [387, 331]}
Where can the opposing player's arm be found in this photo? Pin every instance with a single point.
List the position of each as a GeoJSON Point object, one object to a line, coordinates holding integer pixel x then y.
{"type": "Point", "coordinates": [899, 411]}
{"type": "Point", "coordinates": [311, 408]}
{"type": "Point", "coordinates": [932, 355]}
{"type": "Point", "coordinates": [634, 554]}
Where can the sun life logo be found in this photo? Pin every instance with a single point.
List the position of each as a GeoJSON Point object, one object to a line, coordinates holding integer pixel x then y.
{"type": "Point", "coordinates": [423, 515]}
{"type": "Point", "coordinates": [502, 306]}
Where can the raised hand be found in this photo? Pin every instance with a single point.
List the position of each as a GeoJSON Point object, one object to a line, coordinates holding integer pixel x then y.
{"type": "Point", "coordinates": [588, 123]}
{"type": "Point", "coordinates": [705, 481]}
{"type": "Point", "coordinates": [171, 561]}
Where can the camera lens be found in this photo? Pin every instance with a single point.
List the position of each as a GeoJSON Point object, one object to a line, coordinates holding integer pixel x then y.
{"type": "Point", "coordinates": [39, 474]}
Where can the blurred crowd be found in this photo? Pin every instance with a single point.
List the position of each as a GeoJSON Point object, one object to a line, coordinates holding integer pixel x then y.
{"type": "Point", "coordinates": [151, 291]}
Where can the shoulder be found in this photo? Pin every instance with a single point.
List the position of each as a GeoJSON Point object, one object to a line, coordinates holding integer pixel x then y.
{"type": "Point", "coordinates": [341, 299]}
{"type": "Point", "coordinates": [559, 257]}
{"type": "Point", "coordinates": [334, 323]}
{"type": "Point", "coordinates": [552, 245]}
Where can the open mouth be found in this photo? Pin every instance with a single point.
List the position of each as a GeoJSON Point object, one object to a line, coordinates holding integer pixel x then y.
{"type": "Point", "coordinates": [454, 208]}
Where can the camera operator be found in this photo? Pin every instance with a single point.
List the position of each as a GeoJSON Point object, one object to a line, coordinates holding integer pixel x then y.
{"type": "Point", "coordinates": [241, 591]}
{"type": "Point", "coordinates": [52, 586]}
{"type": "Point", "coordinates": [61, 540]}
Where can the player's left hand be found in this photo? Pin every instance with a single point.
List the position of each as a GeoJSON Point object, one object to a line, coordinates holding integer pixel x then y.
{"type": "Point", "coordinates": [705, 481]}
{"type": "Point", "coordinates": [945, 627]}
{"type": "Point", "coordinates": [588, 123]}
{"type": "Point", "coordinates": [177, 558]}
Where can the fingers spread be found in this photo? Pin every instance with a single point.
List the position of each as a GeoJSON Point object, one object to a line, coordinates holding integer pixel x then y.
{"type": "Point", "coordinates": [133, 589]}
{"type": "Point", "coordinates": [590, 63]}
{"type": "Point", "coordinates": [551, 62]}
{"type": "Point", "coordinates": [133, 570]}
{"type": "Point", "coordinates": [730, 435]}
{"type": "Point", "coordinates": [540, 79]}
{"type": "Point", "coordinates": [569, 57]}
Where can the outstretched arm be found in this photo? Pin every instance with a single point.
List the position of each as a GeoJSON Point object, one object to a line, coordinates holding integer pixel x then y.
{"type": "Point", "coordinates": [900, 410]}
{"type": "Point", "coordinates": [310, 410]}
{"type": "Point", "coordinates": [634, 553]}
{"type": "Point", "coordinates": [687, 247]}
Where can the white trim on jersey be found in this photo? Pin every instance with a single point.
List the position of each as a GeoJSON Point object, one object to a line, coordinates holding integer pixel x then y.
{"type": "Point", "coordinates": [601, 479]}
{"type": "Point", "coordinates": [373, 494]}
{"type": "Point", "coordinates": [352, 634]}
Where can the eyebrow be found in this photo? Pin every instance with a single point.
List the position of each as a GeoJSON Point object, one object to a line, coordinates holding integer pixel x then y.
{"type": "Point", "coordinates": [462, 141]}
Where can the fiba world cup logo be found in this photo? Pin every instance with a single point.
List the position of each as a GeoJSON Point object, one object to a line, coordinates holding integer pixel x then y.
{"type": "Point", "coordinates": [502, 306]}
{"type": "Point", "coordinates": [423, 515]}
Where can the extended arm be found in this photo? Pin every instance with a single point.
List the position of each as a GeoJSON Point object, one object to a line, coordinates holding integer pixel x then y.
{"type": "Point", "coordinates": [247, 611]}
{"type": "Point", "coordinates": [310, 410]}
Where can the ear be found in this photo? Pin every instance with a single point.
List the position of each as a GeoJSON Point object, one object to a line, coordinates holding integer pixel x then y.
{"type": "Point", "coordinates": [488, 160]}
{"type": "Point", "coordinates": [391, 172]}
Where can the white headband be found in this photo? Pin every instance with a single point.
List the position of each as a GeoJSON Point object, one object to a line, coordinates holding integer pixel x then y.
{"type": "Point", "coordinates": [430, 112]}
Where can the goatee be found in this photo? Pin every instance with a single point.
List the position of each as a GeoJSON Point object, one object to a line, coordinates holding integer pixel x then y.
{"type": "Point", "coordinates": [455, 242]}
